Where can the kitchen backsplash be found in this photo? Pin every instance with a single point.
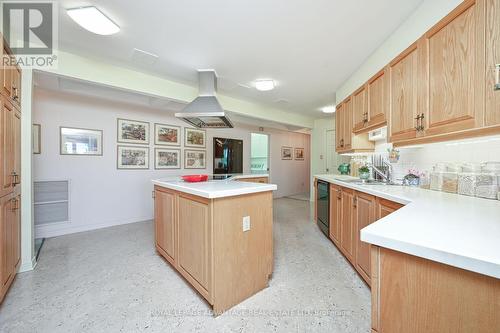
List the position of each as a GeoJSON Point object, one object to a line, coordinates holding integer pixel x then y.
{"type": "Point", "coordinates": [424, 157]}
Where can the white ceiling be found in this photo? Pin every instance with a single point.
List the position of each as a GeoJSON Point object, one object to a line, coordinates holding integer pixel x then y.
{"type": "Point", "coordinates": [310, 47]}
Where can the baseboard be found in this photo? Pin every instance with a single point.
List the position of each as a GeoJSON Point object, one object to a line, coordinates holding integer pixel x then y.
{"type": "Point", "coordinates": [27, 266]}
{"type": "Point", "coordinates": [59, 229]}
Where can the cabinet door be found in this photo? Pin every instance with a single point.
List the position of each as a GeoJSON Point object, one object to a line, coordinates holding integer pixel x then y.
{"type": "Point", "coordinates": [7, 148]}
{"type": "Point", "coordinates": [455, 50]}
{"type": "Point", "coordinates": [16, 148]}
{"type": "Point", "coordinates": [359, 109]}
{"type": "Point", "coordinates": [194, 241]}
{"type": "Point", "coordinates": [16, 232]}
{"type": "Point", "coordinates": [492, 60]}
{"type": "Point", "coordinates": [404, 99]}
{"type": "Point", "coordinates": [347, 235]}
{"type": "Point", "coordinates": [347, 120]}
{"type": "Point", "coordinates": [165, 223]}
{"type": "Point", "coordinates": [335, 213]}
{"type": "Point", "coordinates": [339, 127]}
{"type": "Point", "coordinates": [364, 215]}
{"type": "Point", "coordinates": [377, 99]}
{"type": "Point", "coordinates": [7, 76]}
{"type": "Point", "coordinates": [5, 240]}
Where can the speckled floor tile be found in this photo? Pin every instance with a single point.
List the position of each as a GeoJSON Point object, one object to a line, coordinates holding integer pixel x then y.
{"type": "Point", "coordinates": [112, 280]}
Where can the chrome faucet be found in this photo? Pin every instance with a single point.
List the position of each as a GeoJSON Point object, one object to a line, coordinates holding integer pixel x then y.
{"type": "Point", "coordinates": [386, 175]}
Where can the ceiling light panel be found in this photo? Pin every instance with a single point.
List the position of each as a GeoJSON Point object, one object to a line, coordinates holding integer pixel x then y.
{"type": "Point", "coordinates": [93, 20]}
{"type": "Point", "coordinates": [264, 85]}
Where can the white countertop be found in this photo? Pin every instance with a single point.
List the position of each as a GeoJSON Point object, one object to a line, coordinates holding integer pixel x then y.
{"type": "Point", "coordinates": [215, 188]}
{"type": "Point", "coordinates": [452, 229]}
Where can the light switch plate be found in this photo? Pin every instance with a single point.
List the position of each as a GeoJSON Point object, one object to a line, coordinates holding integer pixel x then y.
{"type": "Point", "coordinates": [246, 223]}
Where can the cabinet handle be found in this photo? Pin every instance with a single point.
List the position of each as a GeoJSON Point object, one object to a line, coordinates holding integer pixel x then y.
{"type": "Point", "coordinates": [497, 77]}
{"type": "Point", "coordinates": [418, 123]}
{"type": "Point", "coordinates": [422, 122]}
{"type": "Point", "coordinates": [15, 206]}
{"type": "Point", "coordinates": [355, 202]}
{"type": "Point", "coordinates": [153, 194]}
{"type": "Point", "coordinates": [15, 178]}
{"type": "Point", "coordinates": [16, 95]}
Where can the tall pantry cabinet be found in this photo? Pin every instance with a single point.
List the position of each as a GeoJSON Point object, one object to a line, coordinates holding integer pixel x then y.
{"type": "Point", "coordinates": [10, 171]}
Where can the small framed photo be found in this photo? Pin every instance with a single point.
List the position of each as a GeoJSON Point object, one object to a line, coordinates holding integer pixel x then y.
{"type": "Point", "coordinates": [167, 135]}
{"type": "Point", "coordinates": [299, 154]}
{"type": "Point", "coordinates": [132, 157]}
{"type": "Point", "coordinates": [167, 158]}
{"type": "Point", "coordinates": [133, 131]}
{"type": "Point", "coordinates": [80, 141]}
{"type": "Point", "coordinates": [37, 138]}
{"type": "Point", "coordinates": [195, 138]}
{"type": "Point", "coordinates": [195, 159]}
{"type": "Point", "coordinates": [286, 153]}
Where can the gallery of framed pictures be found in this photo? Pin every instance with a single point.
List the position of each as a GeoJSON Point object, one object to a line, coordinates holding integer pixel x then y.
{"type": "Point", "coordinates": [289, 153]}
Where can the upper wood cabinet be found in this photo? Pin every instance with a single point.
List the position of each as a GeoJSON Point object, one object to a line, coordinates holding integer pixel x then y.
{"type": "Point", "coordinates": [365, 206]}
{"type": "Point", "coordinates": [360, 109]}
{"type": "Point", "coordinates": [346, 140]}
{"type": "Point", "coordinates": [455, 49]}
{"type": "Point", "coordinates": [378, 99]}
{"type": "Point", "coordinates": [348, 123]}
{"type": "Point", "coordinates": [335, 213]}
{"type": "Point", "coordinates": [405, 97]}
{"type": "Point", "coordinates": [492, 60]}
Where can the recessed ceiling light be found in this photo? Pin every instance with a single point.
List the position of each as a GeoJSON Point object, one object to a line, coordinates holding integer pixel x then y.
{"type": "Point", "coordinates": [329, 109]}
{"type": "Point", "coordinates": [264, 85]}
{"type": "Point", "coordinates": [93, 20]}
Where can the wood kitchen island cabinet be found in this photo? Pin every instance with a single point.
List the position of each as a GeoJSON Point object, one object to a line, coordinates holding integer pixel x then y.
{"type": "Point", "coordinates": [206, 239]}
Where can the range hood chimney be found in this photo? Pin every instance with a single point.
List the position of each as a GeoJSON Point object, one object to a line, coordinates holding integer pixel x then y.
{"type": "Point", "coordinates": [205, 111]}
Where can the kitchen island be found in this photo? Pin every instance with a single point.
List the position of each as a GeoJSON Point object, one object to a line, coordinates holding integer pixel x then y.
{"type": "Point", "coordinates": [218, 235]}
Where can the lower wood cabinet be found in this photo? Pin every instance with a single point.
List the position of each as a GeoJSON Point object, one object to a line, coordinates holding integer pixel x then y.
{"type": "Point", "coordinates": [165, 204]}
{"type": "Point", "coordinates": [204, 241]}
{"type": "Point", "coordinates": [10, 240]}
{"type": "Point", "coordinates": [413, 294]}
{"type": "Point", "coordinates": [351, 211]}
{"type": "Point", "coordinates": [347, 233]}
{"type": "Point", "coordinates": [335, 213]}
{"type": "Point", "coordinates": [364, 215]}
{"type": "Point", "coordinates": [263, 180]}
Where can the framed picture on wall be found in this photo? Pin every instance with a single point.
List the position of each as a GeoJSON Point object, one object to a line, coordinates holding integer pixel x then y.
{"type": "Point", "coordinates": [195, 159]}
{"type": "Point", "coordinates": [195, 138]}
{"type": "Point", "coordinates": [286, 153]}
{"type": "Point", "coordinates": [133, 131]}
{"type": "Point", "coordinates": [132, 157]}
{"type": "Point", "coordinates": [299, 154]}
{"type": "Point", "coordinates": [167, 135]}
{"type": "Point", "coordinates": [80, 141]}
{"type": "Point", "coordinates": [37, 138]}
{"type": "Point", "coordinates": [167, 158]}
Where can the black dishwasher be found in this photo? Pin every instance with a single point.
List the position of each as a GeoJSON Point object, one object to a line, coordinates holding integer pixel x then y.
{"type": "Point", "coordinates": [323, 206]}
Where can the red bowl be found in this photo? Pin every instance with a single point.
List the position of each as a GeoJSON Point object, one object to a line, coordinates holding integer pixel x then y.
{"type": "Point", "coordinates": [195, 178]}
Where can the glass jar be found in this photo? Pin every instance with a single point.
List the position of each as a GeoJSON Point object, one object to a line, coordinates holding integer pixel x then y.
{"type": "Point", "coordinates": [467, 183]}
{"type": "Point", "coordinates": [450, 182]}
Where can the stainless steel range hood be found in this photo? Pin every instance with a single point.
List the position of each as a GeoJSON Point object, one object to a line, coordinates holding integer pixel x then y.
{"type": "Point", "coordinates": [205, 111]}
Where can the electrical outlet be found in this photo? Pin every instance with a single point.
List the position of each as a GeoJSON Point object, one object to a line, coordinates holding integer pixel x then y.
{"type": "Point", "coordinates": [246, 223]}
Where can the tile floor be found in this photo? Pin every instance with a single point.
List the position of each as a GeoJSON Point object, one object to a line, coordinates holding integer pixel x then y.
{"type": "Point", "coordinates": [111, 280]}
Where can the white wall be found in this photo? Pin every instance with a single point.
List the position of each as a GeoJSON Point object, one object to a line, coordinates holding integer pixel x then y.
{"type": "Point", "coordinates": [424, 17]}
{"type": "Point", "coordinates": [103, 196]}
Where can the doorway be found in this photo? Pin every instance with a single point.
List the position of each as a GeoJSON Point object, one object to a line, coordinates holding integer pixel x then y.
{"type": "Point", "coordinates": [259, 156]}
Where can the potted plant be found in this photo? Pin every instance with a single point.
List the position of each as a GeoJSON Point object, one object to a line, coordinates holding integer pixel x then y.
{"type": "Point", "coordinates": [364, 172]}
{"type": "Point", "coordinates": [412, 178]}
{"type": "Point", "coordinates": [393, 155]}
